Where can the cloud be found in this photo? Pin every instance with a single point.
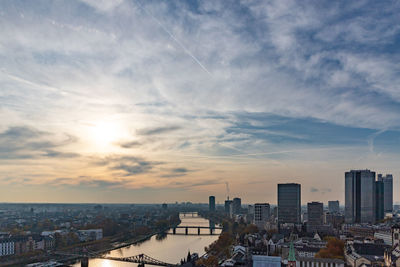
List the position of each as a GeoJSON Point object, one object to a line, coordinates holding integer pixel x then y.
{"type": "Point", "coordinates": [320, 190]}
{"type": "Point", "coordinates": [22, 142]}
{"type": "Point", "coordinates": [130, 144]}
{"type": "Point", "coordinates": [128, 165]}
{"type": "Point", "coordinates": [176, 172]}
{"type": "Point", "coordinates": [158, 130]}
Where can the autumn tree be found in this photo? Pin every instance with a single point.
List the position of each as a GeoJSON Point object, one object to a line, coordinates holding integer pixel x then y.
{"type": "Point", "coordinates": [334, 249]}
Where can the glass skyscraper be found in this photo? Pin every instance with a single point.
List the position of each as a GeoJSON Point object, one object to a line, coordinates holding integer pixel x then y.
{"type": "Point", "coordinates": [388, 191]}
{"type": "Point", "coordinates": [360, 196]}
{"type": "Point", "coordinates": [289, 203]}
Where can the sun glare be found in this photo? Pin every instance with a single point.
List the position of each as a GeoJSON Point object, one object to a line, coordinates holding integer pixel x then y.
{"type": "Point", "coordinates": [105, 134]}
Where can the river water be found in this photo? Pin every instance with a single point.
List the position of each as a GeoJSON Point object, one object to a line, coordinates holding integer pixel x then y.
{"type": "Point", "coordinates": [170, 249]}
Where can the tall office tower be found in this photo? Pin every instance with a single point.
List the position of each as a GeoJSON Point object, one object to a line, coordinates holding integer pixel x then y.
{"type": "Point", "coordinates": [379, 200]}
{"type": "Point", "coordinates": [261, 214]}
{"type": "Point", "coordinates": [228, 207]}
{"type": "Point", "coordinates": [333, 206]}
{"type": "Point", "coordinates": [360, 201]}
{"type": "Point", "coordinates": [211, 203]}
{"type": "Point", "coordinates": [315, 212]}
{"type": "Point", "coordinates": [289, 203]}
{"type": "Point", "coordinates": [388, 191]}
{"type": "Point", "coordinates": [237, 205]}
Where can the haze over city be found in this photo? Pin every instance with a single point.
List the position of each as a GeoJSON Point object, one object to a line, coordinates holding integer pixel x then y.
{"type": "Point", "coordinates": [164, 101]}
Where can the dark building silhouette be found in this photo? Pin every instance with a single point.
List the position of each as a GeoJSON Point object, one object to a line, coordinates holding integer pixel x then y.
{"type": "Point", "coordinates": [388, 191]}
{"type": "Point", "coordinates": [211, 203]}
{"type": "Point", "coordinates": [379, 196]}
{"type": "Point", "coordinates": [228, 206]}
{"type": "Point", "coordinates": [289, 203]}
{"type": "Point", "coordinates": [360, 200]}
{"type": "Point", "coordinates": [315, 212]}
{"type": "Point", "coordinates": [333, 206]}
{"type": "Point", "coordinates": [237, 205]}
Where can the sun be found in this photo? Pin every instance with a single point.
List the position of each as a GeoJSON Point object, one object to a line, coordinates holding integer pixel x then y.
{"type": "Point", "coordinates": [104, 134]}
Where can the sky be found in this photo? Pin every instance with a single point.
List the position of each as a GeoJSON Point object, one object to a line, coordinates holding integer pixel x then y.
{"type": "Point", "coordinates": [161, 101]}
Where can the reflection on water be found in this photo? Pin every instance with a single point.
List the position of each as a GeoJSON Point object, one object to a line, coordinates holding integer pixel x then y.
{"type": "Point", "coordinates": [166, 247]}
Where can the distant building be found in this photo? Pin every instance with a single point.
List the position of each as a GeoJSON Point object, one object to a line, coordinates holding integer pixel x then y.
{"type": "Point", "coordinates": [379, 200]}
{"type": "Point", "coordinates": [7, 247]}
{"type": "Point", "coordinates": [388, 191]}
{"type": "Point", "coordinates": [90, 234]}
{"type": "Point", "coordinates": [261, 214]}
{"type": "Point", "coordinates": [333, 206]}
{"type": "Point", "coordinates": [228, 207]}
{"type": "Point", "coordinates": [211, 203]}
{"type": "Point", "coordinates": [237, 205]}
{"type": "Point", "coordinates": [315, 211]}
{"type": "Point", "coordinates": [250, 213]}
{"type": "Point", "coordinates": [360, 201]}
{"type": "Point", "coordinates": [164, 206]}
{"type": "Point", "coordinates": [289, 203]}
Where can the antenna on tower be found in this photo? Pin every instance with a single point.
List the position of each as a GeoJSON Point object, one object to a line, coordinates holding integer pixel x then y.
{"type": "Point", "coordinates": [227, 189]}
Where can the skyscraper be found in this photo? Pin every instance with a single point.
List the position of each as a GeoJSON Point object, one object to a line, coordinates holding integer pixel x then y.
{"type": "Point", "coordinates": [289, 203]}
{"type": "Point", "coordinates": [228, 207]}
{"type": "Point", "coordinates": [333, 206]}
{"type": "Point", "coordinates": [261, 214]}
{"type": "Point", "coordinates": [360, 200]}
{"type": "Point", "coordinates": [379, 196]}
{"type": "Point", "coordinates": [388, 191]}
{"type": "Point", "coordinates": [315, 212]}
{"type": "Point", "coordinates": [211, 203]}
{"type": "Point", "coordinates": [237, 205]}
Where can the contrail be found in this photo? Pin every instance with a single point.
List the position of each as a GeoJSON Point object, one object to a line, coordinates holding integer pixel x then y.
{"type": "Point", "coordinates": [174, 38]}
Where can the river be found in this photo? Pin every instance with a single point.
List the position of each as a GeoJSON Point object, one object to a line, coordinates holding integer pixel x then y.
{"type": "Point", "coordinates": [170, 249]}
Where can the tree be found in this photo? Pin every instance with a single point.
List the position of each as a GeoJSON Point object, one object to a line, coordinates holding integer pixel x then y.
{"type": "Point", "coordinates": [334, 249]}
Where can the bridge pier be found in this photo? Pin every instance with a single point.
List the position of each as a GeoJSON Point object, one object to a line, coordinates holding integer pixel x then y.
{"type": "Point", "coordinates": [186, 230]}
{"type": "Point", "coordinates": [141, 264]}
{"type": "Point", "coordinates": [174, 231]}
{"type": "Point", "coordinates": [85, 262]}
{"type": "Point", "coordinates": [198, 231]}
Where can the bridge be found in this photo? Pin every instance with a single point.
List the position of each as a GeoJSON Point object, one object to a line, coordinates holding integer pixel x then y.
{"type": "Point", "coordinates": [190, 214]}
{"type": "Point", "coordinates": [141, 259]}
{"type": "Point", "coordinates": [198, 229]}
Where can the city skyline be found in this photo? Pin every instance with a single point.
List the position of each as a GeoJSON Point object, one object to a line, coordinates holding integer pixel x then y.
{"type": "Point", "coordinates": [153, 102]}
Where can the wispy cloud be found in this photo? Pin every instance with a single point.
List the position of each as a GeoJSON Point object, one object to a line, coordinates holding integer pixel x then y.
{"type": "Point", "coordinates": [292, 82]}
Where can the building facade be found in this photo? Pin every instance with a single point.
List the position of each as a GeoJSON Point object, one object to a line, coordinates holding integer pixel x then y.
{"type": "Point", "coordinates": [315, 211]}
{"type": "Point", "coordinates": [261, 214]}
{"type": "Point", "coordinates": [7, 247]}
{"type": "Point", "coordinates": [388, 191]}
{"type": "Point", "coordinates": [228, 207]}
{"type": "Point", "coordinates": [211, 203]}
{"type": "Point", "coordinates": [237, 205]}
{"type": "Point", "coordinates": [289, 203]}
{"type": "Point", "coordinates": [379, 200]}
{"type": "Point", "coordinates": [333, 206]}
{"type": "Point", "coordinates": [360, 200]}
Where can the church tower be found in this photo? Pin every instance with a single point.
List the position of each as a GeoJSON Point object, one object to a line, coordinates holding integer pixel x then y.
{"type": "Point", "coordinates": [292, 256]}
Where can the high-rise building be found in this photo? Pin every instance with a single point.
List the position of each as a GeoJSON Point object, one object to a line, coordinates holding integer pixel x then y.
{"type": "Point", "coordinates": [228, 207]}
{"type": "Point", "coordinates": [315, 211]}
{"type": "Point", "coordinates": [388, 191]}
{"type": "Point", "coordinates": [237, 205]}
{"type": "Point", "coordinates": [211, 203]}
{"type": "Point", "coordinates": [360, 200]}
{"type": "Point", "coordinates": [289, 203]}
{"type": "Point", "coordinates": [333, 206]}
{"type": "Point", "coordinates": [261, 214]}
{"type": "Point", "coordinates": [379, 200]}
